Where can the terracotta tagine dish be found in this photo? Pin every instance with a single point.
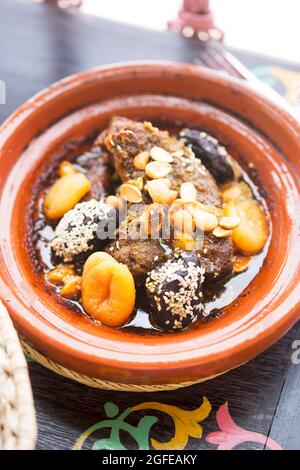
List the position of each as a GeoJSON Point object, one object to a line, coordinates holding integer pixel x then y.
{"type": "Point", "coordinates": [149, 234]}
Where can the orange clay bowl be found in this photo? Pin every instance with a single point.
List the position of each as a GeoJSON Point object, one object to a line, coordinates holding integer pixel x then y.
{"type": "Point", "coordinates": [261, 132]}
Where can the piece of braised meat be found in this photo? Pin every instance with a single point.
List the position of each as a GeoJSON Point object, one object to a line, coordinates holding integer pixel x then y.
{"type": "Point", "coordinates": [97, 165]}
{"type": "Point", "coordinates": [216, 257]}
{"type": "Point", "coordinates": [141, 256]}
{"type": "Point", "coordinates": [125, 139]}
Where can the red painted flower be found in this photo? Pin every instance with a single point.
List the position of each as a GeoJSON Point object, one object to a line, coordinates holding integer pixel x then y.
{"type": "Point", "coordinates": [231, 435]}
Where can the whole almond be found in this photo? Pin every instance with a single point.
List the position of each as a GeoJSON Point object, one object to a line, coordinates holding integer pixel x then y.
{"type": "Point", "coordinates": [205, 220]}
{"type": "Point", "coordinates": [140, 182]}
{"type": "Point", "coordinates": [140, 160]}
{"type": "Point", "coordinates": [159, 191]}
{"type": "Point", "coordinates": [113, 201]}
{"type": "Point", "coordinates": [131, 193]}
{"type": "Point", "coordinates": [152, 220]}
{"type": "Point", "coordinates": [161, 155]}
{"type": "Point", "coordinates": [157, 170]}
{"type": "Point", "coordinates": [229, 223]}
{"type": "Point", "coordinates": [183, 221]}
{"type": "Point", "coordinates": [172, 196]}
{"type": "Point", "coordinates": [188, 192]}
{"type": "Point", "coordinates": [220, 232]}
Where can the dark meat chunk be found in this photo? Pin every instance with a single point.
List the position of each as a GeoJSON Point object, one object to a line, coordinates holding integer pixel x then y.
{"type": "Point", "coordinates": [191, 170]}
{"type": "Point", "coordinates": [97, 165]}
{"type": "Point", "coordinates": [216, 257]}
{"type": "Point", "coordinates": [141, 256]}
{"type": "Point", "coordinates": [213, 155]}
{"type": "Point", "coordinates": [126, 138]}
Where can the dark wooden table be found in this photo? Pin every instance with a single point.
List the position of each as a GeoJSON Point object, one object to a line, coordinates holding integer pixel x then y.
{"type": "Point", "coordinates": [39, 45]}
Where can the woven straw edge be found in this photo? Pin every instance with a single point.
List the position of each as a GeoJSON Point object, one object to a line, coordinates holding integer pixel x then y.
{"type": "Point", "coordinates": [24, 406]}
{"type": "Point", "coordinates": [104, 384]}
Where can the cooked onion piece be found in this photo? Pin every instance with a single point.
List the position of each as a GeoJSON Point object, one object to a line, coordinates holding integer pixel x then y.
{"type": "Point", "coordinates": [65, 193]}
{"type": "Point", "coordinates": [253, 230]}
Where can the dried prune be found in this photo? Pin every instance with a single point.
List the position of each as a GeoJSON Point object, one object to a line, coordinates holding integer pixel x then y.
{"type": "Point", "coordinates": [213, 155]}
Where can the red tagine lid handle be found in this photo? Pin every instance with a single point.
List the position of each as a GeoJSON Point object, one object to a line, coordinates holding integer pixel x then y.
{"type": "Point", "coordinates": [195, 19]}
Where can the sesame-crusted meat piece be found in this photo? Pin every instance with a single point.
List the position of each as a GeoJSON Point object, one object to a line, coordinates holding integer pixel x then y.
{"type": "Point", "coordinates": [174, 291]}
{"type": "Point", "coordinates": [126, 138]}
{"type": "Point", "coordinates": [80, 230]}
{"type": "Point", "coordinates": [97, 166]}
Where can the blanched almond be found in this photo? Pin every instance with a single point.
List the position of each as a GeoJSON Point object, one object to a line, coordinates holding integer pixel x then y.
{"type": "Point", "coordinates": [220, 232]}
{"type": "Point", "coordinates": [152, 220]}
{"type": "Point", "coordinates": [140, 160]}
{"type": "Point", "coordinates": [181, 204]}
{"type": "Point", "coordinates": [204, 220]}
{"type": "Point", "coordinates": [156, 170]}
{"type": "Point", "coordinates": [229, 222]}
{"type": "Point", "coordinates": [183, 221]}
{"type": "Point", "coordinates": [131, 193]}
{"type": "Point", "coordinates": [166, 181]}
{"type": "Point", "coordinates": [172, 196]}
{"type": "Point", "coordinates": [113, 201]}
{"type": "Point", "coordinates": [140, 182]}
{"type": "Point", "coordinates": [188, 192]}
{"type": "Point", "coordinates": [65, 193]}
{"type": "Point", "coordinates": [159, 191]}
{"type": "Point", "coordinates": [161, 155]}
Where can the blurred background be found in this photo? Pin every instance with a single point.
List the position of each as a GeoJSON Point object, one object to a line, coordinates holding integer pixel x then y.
{"type": "Point", "coordinates": [268, 27]}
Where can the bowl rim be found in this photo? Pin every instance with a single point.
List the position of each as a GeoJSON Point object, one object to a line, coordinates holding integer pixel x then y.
{"type": "Point", "coordinates": [270, 327]}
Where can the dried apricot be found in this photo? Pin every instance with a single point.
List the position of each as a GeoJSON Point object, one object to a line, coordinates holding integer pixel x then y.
{"type": "Point", "coordinates": [253, 231]}
{"type": "Point", "coordinates": [108, 290]}
{"type": "Point", "coordinates": [64, 194]}
{"type": "Point", "coordinates": [95, 259]}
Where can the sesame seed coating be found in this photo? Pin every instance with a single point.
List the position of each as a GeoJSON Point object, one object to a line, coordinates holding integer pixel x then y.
{"type": "Point", "coordinates": [76, 232]}
{"type": "Point", "coordinates": [174, 290]}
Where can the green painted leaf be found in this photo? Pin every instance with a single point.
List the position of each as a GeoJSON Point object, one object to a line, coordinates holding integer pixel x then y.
{"type": "Point", "coordinates": [111, 409]}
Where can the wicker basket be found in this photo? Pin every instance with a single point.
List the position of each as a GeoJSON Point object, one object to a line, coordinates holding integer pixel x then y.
{"type": "Point", "coordinates": [17, 416]}
{"type": "Point", "coordinates": [104, 384]}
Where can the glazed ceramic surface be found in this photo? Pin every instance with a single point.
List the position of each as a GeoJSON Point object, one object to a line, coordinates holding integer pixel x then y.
{"type": "Point", "coordinates": [255, 129]}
